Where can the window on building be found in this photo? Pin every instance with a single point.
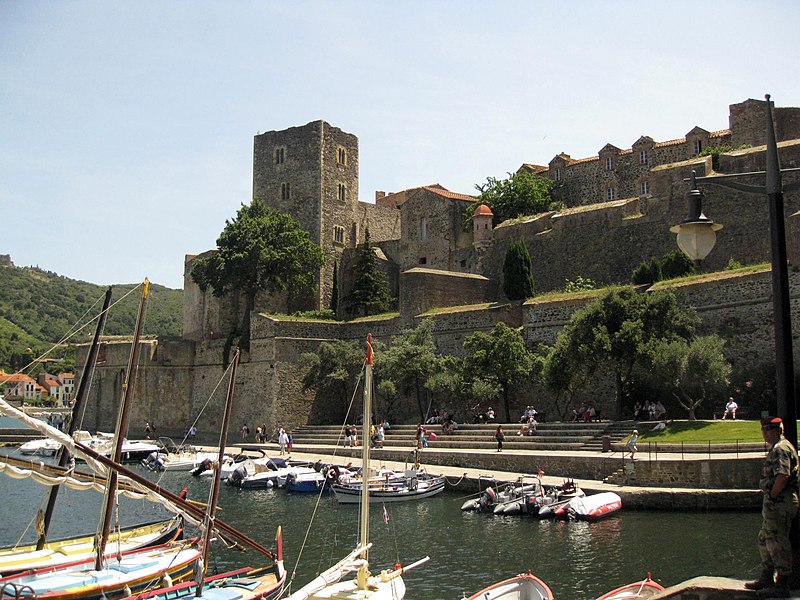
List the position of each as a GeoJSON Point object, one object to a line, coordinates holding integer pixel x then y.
{"type": "Point", "coordinates": [558, 174]}
{"type": "Point", "coordinates": [342, 156]}
{"type": "Point", "coordinates": [423, 228]}
{"type": "Point", "coordinates": [423, 260]}
{"type": "Point", "coordinates": [643, 158]}
{"type": "Point", "coordinates": [645, 188]}
{"type": "Point", "coordinates": [285, 191]}
{"type": "Point", "coordinates": [280, 154]}
{"type": "Point", "coordinates": [342, 192]}
{"type": "Point", "coordinates": [338, 235]}
{"type": "Point", "coordinates": [698, 146]}
{"type": "Point", "coordinates": [611, 193]}
{"type": "Point", "coordinates": [609, 163]}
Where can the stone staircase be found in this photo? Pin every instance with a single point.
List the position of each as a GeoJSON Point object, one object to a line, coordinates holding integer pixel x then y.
{"type": "Point", "coordinates": [548, 436]}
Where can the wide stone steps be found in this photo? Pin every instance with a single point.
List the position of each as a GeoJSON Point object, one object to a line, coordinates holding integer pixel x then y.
{"type": "Point", "coordinates": [548, 436]}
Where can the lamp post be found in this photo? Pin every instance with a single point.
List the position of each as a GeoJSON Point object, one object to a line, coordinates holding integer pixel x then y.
{"type": "Point", "coordinates": [700, 234]}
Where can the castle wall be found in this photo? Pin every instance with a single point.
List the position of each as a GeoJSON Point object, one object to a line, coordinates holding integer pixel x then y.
{"type": "Point", "coordinates": [422, 289]}
{"type": "Point", "coordinates": [177, 380]}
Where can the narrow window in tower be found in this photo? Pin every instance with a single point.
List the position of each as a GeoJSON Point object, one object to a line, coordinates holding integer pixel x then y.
{"type": "Point", "coordinates": [558, 174]}
{"type": "Point", "coordinates": [645, 187]}
{"type": "Point", "coordinates": [342, 156]}
{"type": "Point", "coordinates": [285, 191]}
{"type": "Point", "coordinates": [342, 192]}
{"type": "Point", "coordinates": [338, 235]}
{"type": "Point", "coordinates": [423, 228]}
{"type": "Point", "coordinates": [643, 158]}
{"type": "Point", "coordinates": [609, 163]}
{"type": "Point", "coordinates": [423, 260]}
{"type": "Point", "coordinates": [279, 155]}
{"type": "Point", "coordinates": [611, 193]}
{"type": "Point", "coordinates": [698, 146]}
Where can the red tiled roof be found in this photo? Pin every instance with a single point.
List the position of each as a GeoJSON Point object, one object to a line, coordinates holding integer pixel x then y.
{"type": "Point", "coordinates": [15, 378]}
{"type": "Point", "coordinates": [670, 143]}
{"type": "Point", "coordinates": [720, 133]}
{"type": "Point", "coordinates": [483, 210]}
{"type": "Point", "coordinates": [440, 191]}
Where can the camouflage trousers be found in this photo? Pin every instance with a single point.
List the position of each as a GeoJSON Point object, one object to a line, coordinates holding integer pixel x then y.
{"type": "Point", "coordinates": [774, 545]}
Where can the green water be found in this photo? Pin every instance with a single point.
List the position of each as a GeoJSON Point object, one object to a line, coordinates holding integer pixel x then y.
{"type": "Point", "coordinates": [468, 551]}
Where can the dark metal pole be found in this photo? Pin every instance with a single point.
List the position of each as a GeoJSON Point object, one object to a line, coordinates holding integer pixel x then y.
{"type": "Point", "coordinates": [784, 360]}
{"type": "Point", "coordinates": [77, 409]}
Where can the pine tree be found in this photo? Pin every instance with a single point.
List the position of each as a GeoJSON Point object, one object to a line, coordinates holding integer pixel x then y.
{"type": "Point", "coordinates": [370, 294]}
{"type": "Point", "coordinates": [517, 277]}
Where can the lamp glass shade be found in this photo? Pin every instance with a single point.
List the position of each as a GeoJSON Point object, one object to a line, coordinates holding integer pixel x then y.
{"type": "Point", "coordinates": [696, 240]}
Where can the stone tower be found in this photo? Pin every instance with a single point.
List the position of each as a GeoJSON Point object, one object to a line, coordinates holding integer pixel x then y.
{"type": "Point", "coordinates": [311, 173]}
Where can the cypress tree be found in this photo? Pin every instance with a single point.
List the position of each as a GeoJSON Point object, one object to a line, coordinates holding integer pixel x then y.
{"type": "Point", "coordinates": [370, 294]}
{"type": "Point", "coordinates": [517, 277]}
{"type": "Point", "coordinates": [335, 292]}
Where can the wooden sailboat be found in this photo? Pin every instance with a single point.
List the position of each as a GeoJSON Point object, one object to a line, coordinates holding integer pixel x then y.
{"type": "Point", "coordinates": [384, 586]}
{"type": "Point", "coordinates": [104, 577]}
{"type": "Point", "coordinates": [522, 587]}
{"type": "Point", "coordinates": [639, 589]}
{"type": "Point", "coordinates": [241, 584]}
{"type": "Point", "coordinates": [59, 552]}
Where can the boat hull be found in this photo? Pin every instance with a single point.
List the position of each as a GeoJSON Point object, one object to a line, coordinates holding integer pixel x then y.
{"type": "Point", "coordinates": [64, 551]}
{"type": "Point", "coordinates": [351, 494]}
{"type": "Point", "coordinates": [135, 571]}
{"type": "Point", "coordinates": [521, 587]}
{"type": "Point", "coordinates": [640, 589]}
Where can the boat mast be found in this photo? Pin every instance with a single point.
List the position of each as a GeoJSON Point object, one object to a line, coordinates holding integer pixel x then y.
{"type": "Point", "coordinates": [122, 429]}
{"type": "Point", "coordinates": [214, 493]}
{"type": "Point", "coordinates": [363, 571]}
{"type": "Point", "coordinates": [77, 409]}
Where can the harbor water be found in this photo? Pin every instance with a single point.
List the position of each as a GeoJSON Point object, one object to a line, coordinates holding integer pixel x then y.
{"type": "Point", "coordinates": [468, 551]}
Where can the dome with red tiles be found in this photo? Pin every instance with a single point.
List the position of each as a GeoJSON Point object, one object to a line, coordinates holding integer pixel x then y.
{"type": "Point", "coordinates": [483, 210]}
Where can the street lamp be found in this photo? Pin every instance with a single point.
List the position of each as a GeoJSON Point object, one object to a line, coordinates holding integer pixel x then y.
{"type": "Point", "coordinates": [699, 241]}
{"type": "Point", "coordinates": [697, 234]}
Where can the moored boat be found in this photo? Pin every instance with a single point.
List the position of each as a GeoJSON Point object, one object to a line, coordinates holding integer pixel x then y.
{"type": "Point", "coordinates": [41, 447]}
{"type": "Point", "coordinates": [61, 552]}
{"type": "Point", "coordinates": [411, 487]}
{"type": "Point", "coordinates": [640, 589]}
{"type": "Point", "coordinates": [389, 584]}
{"type": "Point", "coordinates": [590, 508]}
{"type": "Point", "coordinates": [522, 587]}
{"type": "Point", "coordinates": [119, 576]}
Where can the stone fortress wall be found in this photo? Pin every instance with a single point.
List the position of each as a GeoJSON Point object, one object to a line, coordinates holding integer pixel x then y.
{"type": "Point", "coordinates": [433, 261]}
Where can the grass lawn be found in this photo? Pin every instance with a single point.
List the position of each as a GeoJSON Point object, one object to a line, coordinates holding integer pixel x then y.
{"type": "Point", "coordinates": [702, 432]}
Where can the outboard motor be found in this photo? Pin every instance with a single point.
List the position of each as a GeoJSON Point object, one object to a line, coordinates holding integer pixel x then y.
{"type": "Point", "coordinates": [488, 499]}
{"type": "Point", "coordinates": [153, 462]}
{"type": "Point", "coordinates": [204, 466]}
{"type": "Point", "coordinates": [237, 477]}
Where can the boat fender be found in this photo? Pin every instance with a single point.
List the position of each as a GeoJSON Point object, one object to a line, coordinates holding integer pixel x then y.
{"type": "Point", "coordinates": [333, 473]}
{"type": "Point", "coordinates": [166, 581]}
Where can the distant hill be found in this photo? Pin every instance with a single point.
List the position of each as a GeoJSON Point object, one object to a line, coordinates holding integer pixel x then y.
{"type": "Point", "coordinates": [38, 308]}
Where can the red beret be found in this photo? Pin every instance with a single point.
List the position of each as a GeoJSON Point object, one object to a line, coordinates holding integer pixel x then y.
{"type": "Point", "coordinates": [771, 422]}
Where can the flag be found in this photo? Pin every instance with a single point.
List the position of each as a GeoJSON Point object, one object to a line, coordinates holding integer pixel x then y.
{"type": "Point", "coordinates": [385, 516]}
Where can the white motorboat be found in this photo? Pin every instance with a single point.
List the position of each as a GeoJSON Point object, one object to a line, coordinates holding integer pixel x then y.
{"type": "Point", "coordinates": [395, 489]}
{"type": "Point", "coordinates": [41, 447]}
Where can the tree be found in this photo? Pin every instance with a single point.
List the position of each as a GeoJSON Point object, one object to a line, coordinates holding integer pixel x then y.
{"type": "Point", "coordinates": [500, 359]}
{"type": "Point", "coordinates": [523, 193]}
{"type": "Point", "coordinates": [410, 360]}
{"type": "Point", "coordinates": [335, 292]}
{"type": "Point", "coordinates": [260, 250]}
{"type": "Point", "coordinates": [564, 374]}
{"type": "Point", "coordinates": [370, 293]}
{"type": "Point", "coordinates": [617, 330]}
{"type": "Point", "coordinates": [694, 369]}
{"type": "Point", "coordinates": [333, 372]}
{"type": "Point", "coordinates": [517, 277]}
{"type": "Point", "coordinates": [676, 264]}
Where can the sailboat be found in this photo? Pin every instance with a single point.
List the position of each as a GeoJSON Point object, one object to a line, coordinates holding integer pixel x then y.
{"type": "Point", "coordinates": [103, 576]}
{"type": "Point", "coordinates": [388, 584]}
{"type": "Point", "coordinates": [241, 584]}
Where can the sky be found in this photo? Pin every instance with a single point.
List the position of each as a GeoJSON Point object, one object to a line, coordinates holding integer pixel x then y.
{"type": "Point", "coordinates": [126, 128]}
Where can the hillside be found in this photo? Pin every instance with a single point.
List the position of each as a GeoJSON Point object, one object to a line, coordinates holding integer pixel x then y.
{"type": "Point", "coordinates": [38, 308]}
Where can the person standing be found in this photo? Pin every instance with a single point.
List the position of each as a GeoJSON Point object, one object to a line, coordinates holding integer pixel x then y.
{"type": "Point", "coordinates": [283, 440]}
{"type": "Point", "coordinates": [148, 429]}
{"type": "Point", "coordinates": [499, 436]}
{"type": "Point", "coordinates": [779, 507]}
{"type": "Point", "coordinates": [245, 432]}
{"type": "Point", "coordinates": [632, 443]}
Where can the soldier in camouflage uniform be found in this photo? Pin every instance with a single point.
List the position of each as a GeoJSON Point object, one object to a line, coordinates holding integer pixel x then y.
{"type": "Point", "coordinates": [779, 484]}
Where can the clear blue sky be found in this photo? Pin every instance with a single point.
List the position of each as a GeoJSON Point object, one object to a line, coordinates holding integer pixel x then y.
{"type": "Point", "coordinates": [127, 127]}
